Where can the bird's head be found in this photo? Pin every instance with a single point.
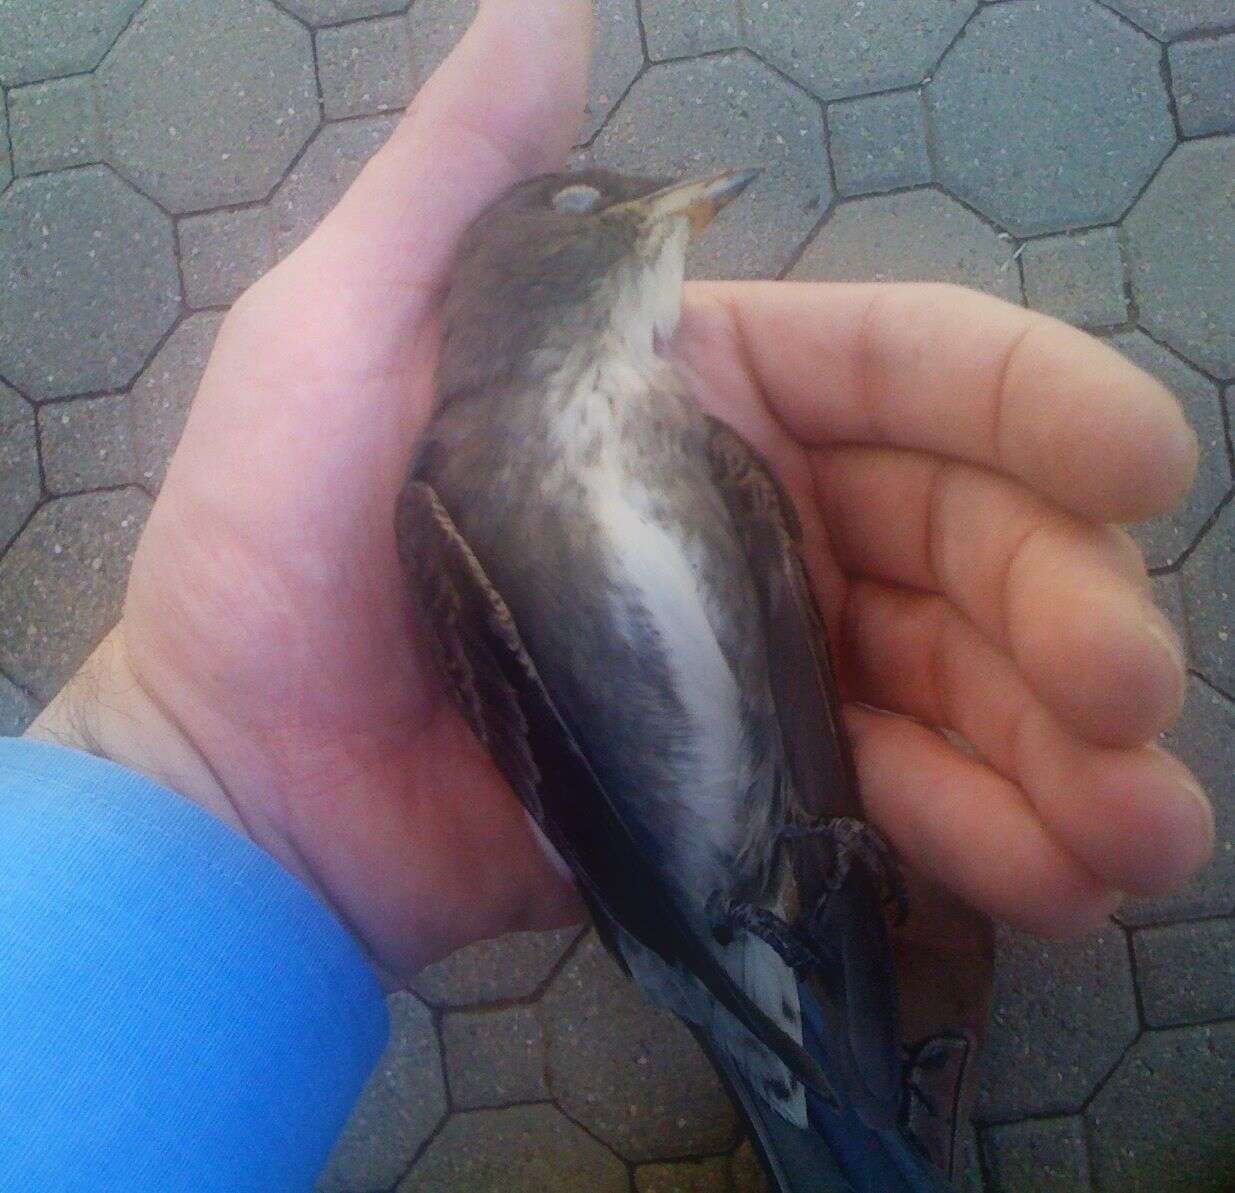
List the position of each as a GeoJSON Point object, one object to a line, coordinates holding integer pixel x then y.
{"type": "Point", "coordinates": [567, 263]}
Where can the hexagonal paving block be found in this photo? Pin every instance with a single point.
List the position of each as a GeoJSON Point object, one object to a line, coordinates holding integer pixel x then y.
{"type": "Point", "coordinates": [690, 1176]}
{"type": "Point", "coordinates": [1063, 1013]}
{"type": "Point", "coordinates": [494, 971]}
{"type": "Point", "coordinates": [328, 12]}
{"type": "Point", "coordinates": [1164, 538]}
{"type": "Point", "coordinates": [163, 393]}
{"type": "Point", "coordinates": [1203, 82]}
{"type": "Point", "coordinates": [838, 48]}
{"type": "Point", "coordinates": [1181, 242]}
{"type": "Point", "coordinates": [39, 39]}
{"type": "Point", "coordinates": [244, 100]}
{"type": "Point", "coordinates": [54, 125]}
{"type": "Point", "coordinates": [222, 253]}
{"type": "Point", "coordinates": [1205, 740]}
{"type": "Point", "coordinates": [17, 710]}
{"type": "Point", "coordinates": [87, 443]}
{"type": "Point", "coordinates": [329, 166]}
{"type": "Point", "coordinates": [1043, 1155]}
{"type": "Point", "coordinates": [679, 28]}
{"type": "Point", "coordinates": [61, 584]}
{"type": "Point", "coordinates": [525, 1149]}
{"type": "Point", "coordinates": [1186, 972]}
{"type": "Point", "coordinates": [1078, 278]}
{"type": "Point", "coordinates": [365, 67]}
{"type": "Point", "coordinates": [6, 164]}
{"type": "Point", "coordinates": [1145, 1137]}
{"type": "Point", "coordinates": [19, 464]}
{"type": "Point", "coordinates": [1171, 18]}
{"type": "Point", "coordinates": [1049, 115]}
{"type": "Point", "coordinates": [878, 143]}
{"type": "Point", "coordinates": [709, 113]}
{"type": "Point", "coordinates": [399, 1109]}
{"type": "Point", "coordinates": [1209, 601]}
{"type": "Point", "coordinates": [90, 282]}
{"type": "Point", "coordinates": [632, 1074]}
{"type": "Point", "coordinates": [914, 237]}
{"type": "Point", "coordinates": [494, 1058]}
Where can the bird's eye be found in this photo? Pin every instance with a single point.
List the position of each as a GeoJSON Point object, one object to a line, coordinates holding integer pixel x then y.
{"type": "Point", "coordinates": [577, 199]}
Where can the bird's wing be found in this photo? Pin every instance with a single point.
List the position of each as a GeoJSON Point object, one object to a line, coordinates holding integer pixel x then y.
{"type": "Point", "coordinates": [857, 995]}
{"type": "Point", "coordinates": [495, 683]}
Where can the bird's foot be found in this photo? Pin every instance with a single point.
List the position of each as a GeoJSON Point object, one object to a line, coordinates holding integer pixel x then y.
{"type": "Point", "coordinates": [792, 944]}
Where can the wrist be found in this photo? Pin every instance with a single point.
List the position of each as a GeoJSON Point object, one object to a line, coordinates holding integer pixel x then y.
{"type": "Point", "coordinates": [105, 710]}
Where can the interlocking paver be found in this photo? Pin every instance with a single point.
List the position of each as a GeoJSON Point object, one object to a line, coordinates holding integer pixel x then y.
{"type": "Point", "coordinates": [746, 1171]}
{"type": "Point", "coordinates": [690, 1176]}
{"type": "Point", "coordinates": [1203, 82]}
{"type": "Point", "coordinates": [1049, 115]}
{"type": "Point", "coordinates": [327, 169]}
{"type": "Point", "coordinates": [1205, 740]}
{"type": "Point", "coordinates": [525, 1149]}
{"type": "Point", "coordinates": [678, 28]}
{"type": "Point", "coordinates": [328, 12]}
{"type": "Point", "coordinates": [1042, 1155]}
{"type": "Point", "coordinates": [632, 1074]}
{"type": "Point", "coordinates": [365, 67]}
{"type": "Point", "coordinates": [1181, 241]}
{"type": "Point", "coordinates": [1164, 538]}
{"type": "Point", "coordinates": [1145, 1137]}
{"type": "Point", "coordinates": [494, 1058]}
{"type": "Point", "coordinates": [838, 48]}
{"type": "Point", "coordinates": [54, 125]}
{"type": "Point", "coordinates": [729, 110]}
{"type": "Point", "coordinates": [39, 40]}
{"type": "Point", "coordinates": [6, 164]}
{"type": "Point", "coordinates": [1169, 19]}
{"type": "Point", "coordinates": [222, 253]}
{"type": "Point", "coordinates": [1186, 972]}
{"type": "Point", "coordinates": [17, 710]}
{"type": "Point", "coordinates": [87, 443]}
{"type": "Point", "coordinates": [1063, 1013]}
{"type": "Point", "coordinates": [1078, 278]}
{"type": "Point", "coordinates": [163, 393]}
{"type": "Point", "coordinates": [493, 971]}
{"type": "Point", "coordinates": [402, 1104]}
{"type": "Point", "coordinates": [879, 143]}
{"type": "Point", "coordinates": [918, 236]}
{"type": "Point", "coordinates": [1208, 583]}
{"type": "Point", "coordinates": [61, 584]}
{"type": "Point", "coordinates": [242, 103]}
{"type": "Point", "coordinates": [19, 463]}
{"type": "Point", "coordinates": [90, 282]}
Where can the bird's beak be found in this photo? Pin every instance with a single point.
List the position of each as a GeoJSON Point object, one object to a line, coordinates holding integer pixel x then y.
{"type": "Point", "coordinates": [699, 200]}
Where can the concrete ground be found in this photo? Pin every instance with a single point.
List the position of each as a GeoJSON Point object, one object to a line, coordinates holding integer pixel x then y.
{"type": "Point", "coordinates": [1077, 156]}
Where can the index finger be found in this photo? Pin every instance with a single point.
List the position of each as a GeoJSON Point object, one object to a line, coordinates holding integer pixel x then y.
{"type": "Point", "coordinates": [942, 369]}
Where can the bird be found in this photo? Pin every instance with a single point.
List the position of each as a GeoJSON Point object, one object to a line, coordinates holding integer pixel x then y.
{"type": "Point", "coordinates": [612, 585]}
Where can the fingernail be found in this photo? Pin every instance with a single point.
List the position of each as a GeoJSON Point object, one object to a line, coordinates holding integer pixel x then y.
{"type": "Point", "coordinates": [1164, 635]}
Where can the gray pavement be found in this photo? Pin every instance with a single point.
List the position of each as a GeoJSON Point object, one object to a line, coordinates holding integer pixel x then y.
{"type": "Point", "coordinates": [1075, 155]}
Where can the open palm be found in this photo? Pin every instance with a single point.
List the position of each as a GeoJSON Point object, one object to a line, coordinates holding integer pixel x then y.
{"type": "Point", "coordinates": [964, 456]}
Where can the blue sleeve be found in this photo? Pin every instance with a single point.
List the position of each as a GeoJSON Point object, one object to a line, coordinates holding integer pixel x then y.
{"type": "Point", "coordinates": [176, 1010]}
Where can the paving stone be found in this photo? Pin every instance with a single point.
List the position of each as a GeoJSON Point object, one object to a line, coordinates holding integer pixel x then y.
{"type": "Point", "coordinates": [494, 1058]}
{"type": "Point", "coordinates": [493, 971]}
{"type": "Point", "coordinates": [329, 166]}
{"type": "Point", "coordinates": [6, 164]}
{"type": "Point", "coordinates": [838, 48]}
{"type": "Point", "coordinates": [19, 464]}
{"type": "Point", "coordinates": [1063, 1013]}
{"type": "Point", "coordinates": [243, 102]}
{"type": "Point", "coordinates": [1169, 597]}
{"type": "Point", "coordinates": [630, 1073]}
{"type": "Point", "coordinates": [400, 1107]}
{"type": "Point", "coordinates": [61, 584]}
{"type": "Point", "coordinates": [1205, 740]}
{"type": "Point", "coordinates": [222, 253]}
{"type": "Point", "coordinates": [87, 443]}
{"type": "Point", "coordinates": [163, 393]}
{"type": "Point", "coordinates": [54, 125]}
{"type": "Point", "coordinates": [1181, 240]}
{"type": "Point", "coordinates": [1169, 19]}
{"type": "Point", "coordinates": [746, 1171]}
{"type": "Point", "coordinates": [524, 1149]}
{"type": "Point", "coordinates": [1147, 1138]}
{"type": "Point", "coordinates": [329, 12]}
{"type": "Point", "coordinates": [1077, 278]}
{"type": "Point", "coordinates": [1186, 972]}
{"type": "Point", "coordinates": [1049, 115]}
{"type": "Point", "coordinates": [878, 143]}
{"type": "Point", "coordinates": [690, 1176]}
{"type": "Point", "coordinates": [17, 710]}
{"type": "Point", "coordinates": [914, 237]}
{"type": "Point", "coordinates": [366, 67]}
{"type": "Point", "coordinates": [90, 282]}
{"type": "Point", "coordinates": [1042, 1155]}
{"type": "Point", "coordinates": [1209, 602]}
{"type": "Point", "coordinates": [39, 39]}
{"type": "Point", "coordinates": [679, 28]}
{"type": "Point", "coordinates": [1203, 82]}
{"type": "Point", "coordinates": [728, 110]}
{"type": "Point", "coordinates": [1164, 538]}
